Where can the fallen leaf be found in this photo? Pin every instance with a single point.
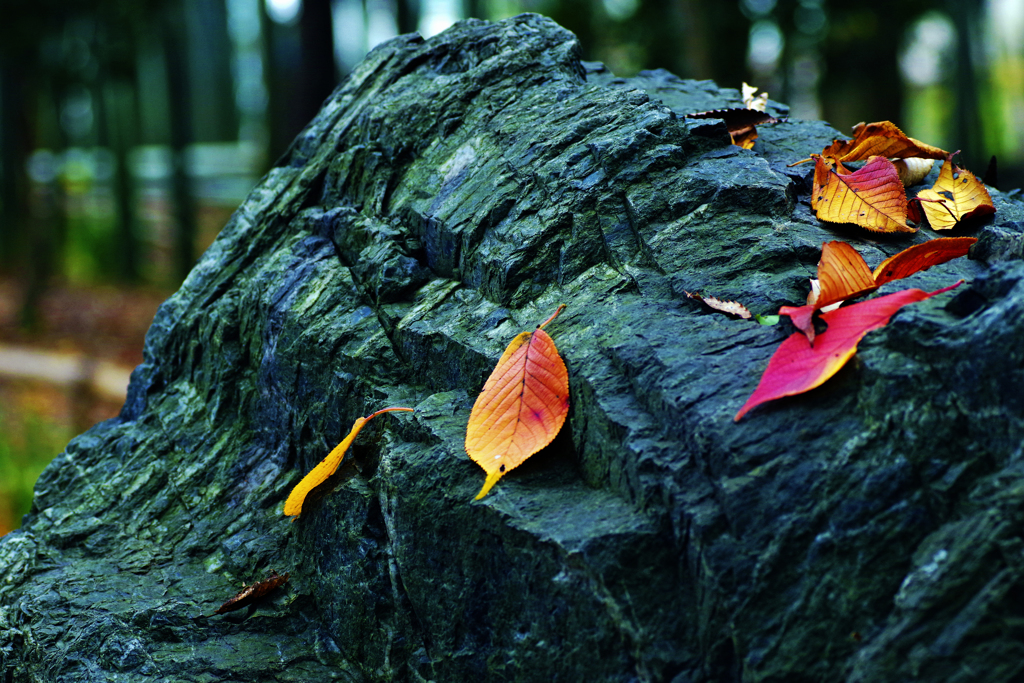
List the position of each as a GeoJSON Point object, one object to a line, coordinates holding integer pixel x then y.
{"type": "Point", "coordinates": [731, 307]}
{"type": "Point", "coordinates": [956, 195]}
{"type": "Point", "coordinates": [250, 594]}
{"type": "Point", "coordinates": [872, 197]}
{"type": "Point", "coordinates": [914, 213]}
{"type": "Point", "coordinates": [920, 257]}
{"type": "Point", "coordinates": [751, 100]}
{"type": "Point", "coordinates": [812, 296]}
{"type": "Point", "coordinates": [740, 122]}
{"type": "Point", "coordinates": [880, 139]}
{"type": "Point", "coordinates": [842, 274]}
{"type": "Point", "coordinates": [802, 318]}
{"type": "Point", "coordinates": [797, 366]}
{"type": "Point", "coordinates": [522, 406]}
{"type": "Point", "coordinates": [328, 466]}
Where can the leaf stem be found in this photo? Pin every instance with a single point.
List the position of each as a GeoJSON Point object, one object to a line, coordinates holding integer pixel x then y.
{"type": "Point", "coordinates": [561, 307]}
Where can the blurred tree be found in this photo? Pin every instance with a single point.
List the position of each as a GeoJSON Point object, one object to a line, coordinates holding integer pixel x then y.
{"type": "Point", "coordinates": [55, 56]}
{"type": "Point", "coordinates": [302, 71]}
{"type": "Point", "coordinates": [968, 123]}
{"type": "Point", "coordinates": [33, 82]}
{"type": "Point", "coordinates": [407, 14]}
{"type": "Point", "coordinates": [118, 123]}
{"type": "Point", "coordinates": [175, 45]}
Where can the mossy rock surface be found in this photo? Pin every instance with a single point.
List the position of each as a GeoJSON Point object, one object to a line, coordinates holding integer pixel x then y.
{"type": "Point", "coordinates": [451, 193]}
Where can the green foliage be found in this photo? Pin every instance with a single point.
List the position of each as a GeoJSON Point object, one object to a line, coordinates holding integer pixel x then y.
{"type": "Point", "coordinates": [28, 442]}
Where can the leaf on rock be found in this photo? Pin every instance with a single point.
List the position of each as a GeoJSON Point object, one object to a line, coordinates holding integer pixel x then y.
{"type": "Point", "coordinates": [797, 366]}
{"type": "Point", "coordinates": [920, 257]}
{"type": "Point", "coordinates": [872, 197]}
{"type": "Point", "coordinates": [522, 406]}
{"type": "Point", "coordinates": [731, 307]}
{"type": "Point", "coordinates": [328, 466]}
{"type": "Point", "coordinates": [956, 195]}
{"type": "Point", "coordinates": [880, 139]}
{"type": "Point", "coordinates": [250, 594]}
{"type": "Point", "coordinates": [802, 318]}
{"type": "Point", "coordinates": [842, 274]}
{"type": "Point", "coordinates": [741, 123]}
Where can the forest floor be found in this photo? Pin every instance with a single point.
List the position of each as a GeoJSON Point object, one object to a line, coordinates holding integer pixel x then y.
{"type": "Point", "coordinates": [64, 378]}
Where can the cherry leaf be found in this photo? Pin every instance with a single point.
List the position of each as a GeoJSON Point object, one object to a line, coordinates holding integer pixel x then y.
{"type": "Point", "coordinates": [797, 366]}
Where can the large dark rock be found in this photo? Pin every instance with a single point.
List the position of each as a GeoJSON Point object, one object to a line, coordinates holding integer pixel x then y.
{"type": "Point", "coordinates": [450, 194]}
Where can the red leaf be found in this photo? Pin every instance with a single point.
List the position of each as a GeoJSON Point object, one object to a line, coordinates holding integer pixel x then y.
{"type": "Point", "coordinates": [797, 366]}
{"type": "Point", "coordinates": [802, 318]}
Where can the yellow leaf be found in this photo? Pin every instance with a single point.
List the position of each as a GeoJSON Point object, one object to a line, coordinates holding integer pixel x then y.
{"type": "Point", "coordinates": [956, 195]}
{"type": "Point", "coordinates": [327, 466]}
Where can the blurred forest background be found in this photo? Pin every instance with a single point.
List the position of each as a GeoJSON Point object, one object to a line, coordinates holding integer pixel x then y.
{"type": "Point", "coordinates": [131, 129]}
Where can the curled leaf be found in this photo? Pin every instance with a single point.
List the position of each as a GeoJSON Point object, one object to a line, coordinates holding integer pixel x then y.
{"type": "Point", "coordinates": [842, 274]}
{"type": "Point", "coordinates": [913, 169]}
{"type": "Point", "coordinates": [797, 366]}
{"type": "Point", "coordinates": [751, 100]}
{"type": "Point", "coordinates": [328, 466]}
{"type": "Point", "coordinates": [872, 197]}
{"type": "Point", "coordinates": [522, 406]}
{"type": "Point", "coordinates": [956, 195]}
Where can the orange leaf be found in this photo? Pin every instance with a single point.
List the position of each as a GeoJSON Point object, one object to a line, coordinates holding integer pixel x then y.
{"type": "Point", "coordinates": [956, 195]}
{"type": "Point", "coordinates": [872, 197]}
{"type": "Point", "coordinates": [880, 139]}
{"type": "Point", "coordinates": [797, 366]}
{"type": "Point", "coordinates": [327, 466]}
{"type": "Point", "coordinates": [842, 274]}
{"type": "Point", "coordinates": [921, 256]}
{"type": "Point", "coordinates": [522, 406]}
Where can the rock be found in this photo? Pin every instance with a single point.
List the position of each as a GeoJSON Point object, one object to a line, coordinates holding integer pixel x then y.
{"type": "Point", "coordinates": [450, 194]}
